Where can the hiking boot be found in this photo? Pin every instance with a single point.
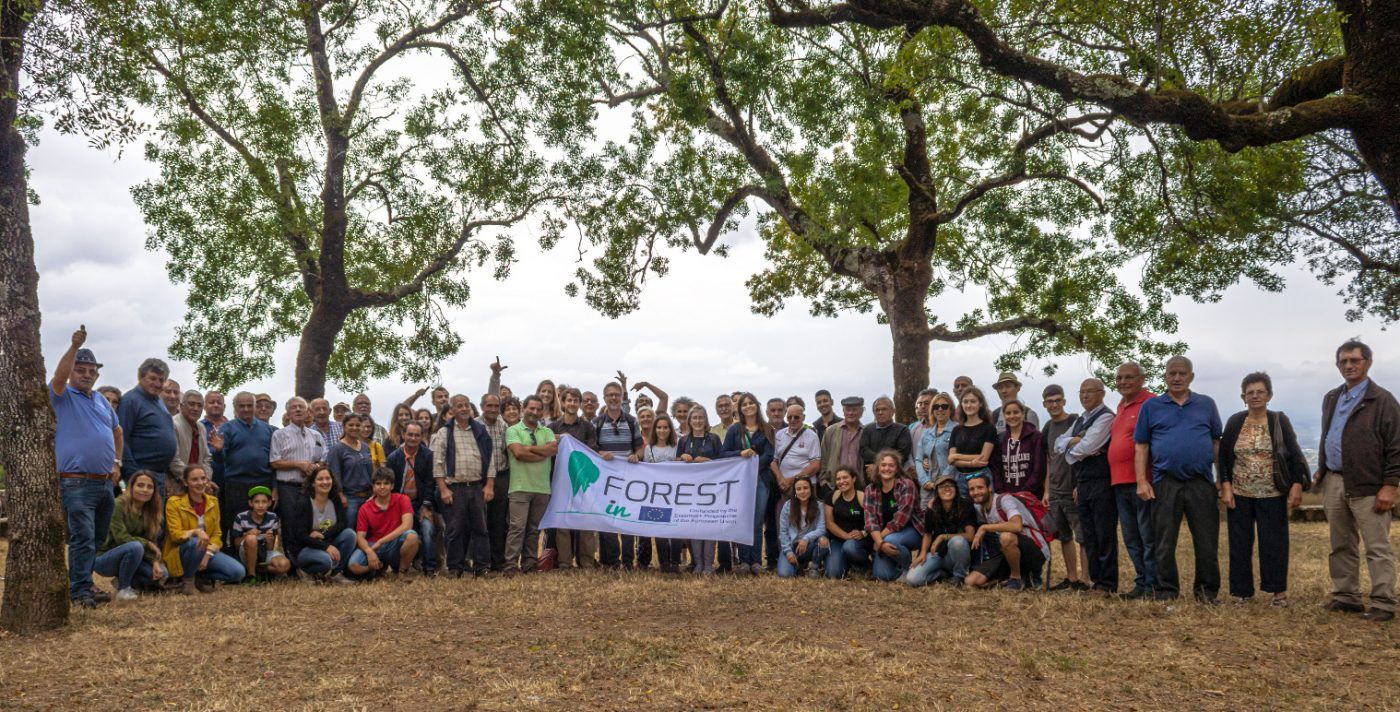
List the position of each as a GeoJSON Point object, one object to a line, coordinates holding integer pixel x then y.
{"type": "Point", "coordinates": [203, 585]}
{"type": "Point", "coordinates": [187, 586]}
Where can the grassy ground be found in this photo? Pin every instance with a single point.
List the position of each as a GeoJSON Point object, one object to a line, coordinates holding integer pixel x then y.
{"type": "Point", "coordinates": [612, 641]}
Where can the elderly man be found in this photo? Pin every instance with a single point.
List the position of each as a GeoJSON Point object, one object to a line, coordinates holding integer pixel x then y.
{"type": "Point", "coordinates": [462, 468]}
{"type": "Point", "coordinates": [170, 394]}
{"type": "Point", "coordinates": [1359, 470]}
{"type": "Point", "coordinates": [797, 451]}
{"type": "Point", "coordinates": [1009, 389]}
{"type": "Point", "coordinates": [1134, 515]}
{"type": "Point", "coordinates": [361, 405]}
{"type": "Point", "coordinates": [147, 430]}
{"type": "Point", "coordinates": [884, 434]}
{"type": "Point", "coordinates": [214, 421]}
{"type": "Point", "coordinates": [498, 509]}
{"type": "Point", "coordinates": [87, 438]}
{"type": "Point", "coordinates": [292, 455]}
{"type": "Point", "coordinates": [264, 407]}
{"type": "Point", "coordinates": [841, 445]}
{"type": "Point", "coordinates": [321, 422]}
{"type": "Point", "coordinates": [247, 444]}
{"type": "Point", "coordinates": [1085, 449]}
{"type": "Point", "coordinates": [1177, 436]}
{"type": "Point", "coordinates": [191, 440]}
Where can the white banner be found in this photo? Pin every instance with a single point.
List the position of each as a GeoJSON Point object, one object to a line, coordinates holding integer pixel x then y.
{"type": "Point", "coordinates": [712, 501]}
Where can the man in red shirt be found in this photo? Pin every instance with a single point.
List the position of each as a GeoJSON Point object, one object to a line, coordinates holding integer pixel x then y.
{"type": "Point", "coordinates": [384, 531]}
{"type": "Point", "coordinates": [1134, 515]}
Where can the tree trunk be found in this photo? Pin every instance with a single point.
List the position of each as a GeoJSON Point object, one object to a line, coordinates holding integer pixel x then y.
{"type": "Point", "coordinates": [317, 343]}
{"type": "Point", "coordinates": [1371, 35]}
{"type": "Point", "coordinates": [902, 292]}
{"type": "Point", "coordinates": [36, 581]}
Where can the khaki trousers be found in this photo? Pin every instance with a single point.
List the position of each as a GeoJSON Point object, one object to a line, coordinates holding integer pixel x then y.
{"type": "Point", "coordinates": [523, 541]}
{"type": "Point", "coordinates": [1348, 517]}
{"type": "Point", "coordinates": [584, 544]}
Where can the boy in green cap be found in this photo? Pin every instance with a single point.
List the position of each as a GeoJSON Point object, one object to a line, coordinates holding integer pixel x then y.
{"type": "Point", "coordinates": [258, 533]}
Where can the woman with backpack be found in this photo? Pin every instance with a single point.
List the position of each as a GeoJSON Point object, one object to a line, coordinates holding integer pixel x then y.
{"type": "Point", "coordinates": [1262, 475]}
{"type": "Point", "coordinates": [892, 517]}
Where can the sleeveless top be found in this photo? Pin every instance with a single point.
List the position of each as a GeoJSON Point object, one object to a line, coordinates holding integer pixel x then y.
{"type": "Point", "coordinates": [849, 515]}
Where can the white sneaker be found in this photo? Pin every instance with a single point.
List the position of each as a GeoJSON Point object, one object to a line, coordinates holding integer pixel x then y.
{"type": "Point", "coordinates": [340, 578]}
{"type": "Point", "coordinates": [127, 594]}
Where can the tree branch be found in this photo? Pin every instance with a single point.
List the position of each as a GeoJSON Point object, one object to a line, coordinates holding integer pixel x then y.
{"type": "Point", "coordinates": [471, 81]}
{"type": "Point", "coordinates": [1051, 327]}
{"type": "Point", "coordinates": [459, 10]}
{"type": "Point", "coordinates": [717, 225]}
{"type": "Point", "coordinates": [1314, 81]}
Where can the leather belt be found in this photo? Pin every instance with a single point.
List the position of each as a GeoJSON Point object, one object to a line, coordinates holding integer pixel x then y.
{"type": "Point", "coordinates": [84, 476]}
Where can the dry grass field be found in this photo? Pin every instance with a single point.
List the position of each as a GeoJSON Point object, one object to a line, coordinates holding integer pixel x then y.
{"type": "Point", "coordinates": [618, 641]}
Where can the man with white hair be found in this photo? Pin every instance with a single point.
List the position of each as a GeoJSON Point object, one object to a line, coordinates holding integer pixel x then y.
{"type": "Point", "coordinates": [191, 440]}
{"type": "Point", "coordinates": [883, 434]}
{"type": "Point", "coordinates": [294, 452]}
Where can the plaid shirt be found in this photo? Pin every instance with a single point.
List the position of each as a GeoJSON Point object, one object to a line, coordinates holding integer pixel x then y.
{"type": "Point", "coordinates": [333, 432]}
{"type": "Point", "coordinates": [498, 443]}
{"type": "Point", "coordinates": [468, 460]}
{"type": "Point", "coordinates": [906, 507]}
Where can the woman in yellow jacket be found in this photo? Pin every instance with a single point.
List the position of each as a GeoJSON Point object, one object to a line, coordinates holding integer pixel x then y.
{"type": "Point", "coordinates": [192, 539]}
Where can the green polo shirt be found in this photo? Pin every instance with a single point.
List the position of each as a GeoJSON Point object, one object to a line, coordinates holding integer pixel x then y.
{"type": "Point", "coordinates": [529, 476]}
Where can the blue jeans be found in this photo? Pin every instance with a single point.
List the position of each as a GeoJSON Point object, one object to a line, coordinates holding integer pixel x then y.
{"type": "Point", "coordinates": [753, 555]}
{"type": "Point", "coordinates": [318, 561]}
{"type": "Point", "coordinates": [222, 567]}
{"type": "Point", "coordinates": [427, 533]}
{"type": "Point", "coordinates": [845, 554]}
{"type": "Point", "coordinates": [88, 504]}
{"type": "Point", "coordinates": [1135, 519]}
{"type": "Point", "coordinates": [352, 509]}
{"type": "Point", "coordinates": [126, 564]}
{"type": "Point", "coordinates": [955, 562]}
{"type": "Point", "coordinates": [388, 553]}
{"type": "Point", "coordinates": [815, 555]}
{"type": "Point", "coordinates": [888, 568]}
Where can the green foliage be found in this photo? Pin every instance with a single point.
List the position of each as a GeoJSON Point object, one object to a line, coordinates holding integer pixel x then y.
{"type": "Point", "coordinates": [829, 106]}
{"type": "Point", "coordinates": [432, 129]}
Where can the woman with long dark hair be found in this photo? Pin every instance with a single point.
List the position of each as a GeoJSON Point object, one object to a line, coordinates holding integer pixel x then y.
{"type": "Point", "coordinates": [403, 415]}
{"type": "Point", "coordinates": [950, 521]}
{"type": "Point", "coordinates": [845, 524]}
{"type": "Point", "coordinates": [752, 436]}
{"type": "Point", "coordinates": [975, 439]}
{"type": "Point", "coordinates": [320, 535]}
{"type": "Point", "coordinates": [802, 532]}
{"type": "Point", "coordinates": [659, 445]}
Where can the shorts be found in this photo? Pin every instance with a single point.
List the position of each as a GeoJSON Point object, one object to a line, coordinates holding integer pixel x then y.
{"type": "Point", "coordinates": [1063, 519]}
{"type": "Point", "coordinates": [265, 556]}
{"type": "Point", "coordinates": [995, 568]}
{"type": "Point", "coordinates": [388, 553]}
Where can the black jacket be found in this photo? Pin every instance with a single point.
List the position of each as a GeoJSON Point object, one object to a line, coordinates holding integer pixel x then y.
{"type": "Point", "coordinates": [422, 476]}
{"type": "Point", "coordinates": [1288, 456]}
{"type": "Point", "coordinates": [297, 530]}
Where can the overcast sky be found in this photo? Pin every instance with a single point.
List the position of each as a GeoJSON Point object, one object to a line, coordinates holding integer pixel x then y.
{"type": "Point", "coordinates": [695, 334]}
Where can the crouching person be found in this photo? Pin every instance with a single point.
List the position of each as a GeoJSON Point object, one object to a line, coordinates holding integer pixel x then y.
{"type": "Point", "coordinates": [130, 553]}
{"type": "Point", "coordinates": [258, 533]}
{"type": "Point", "coordinates": [193, 538]}
{"type": "Point", "coordinates": [1012, 548]}
{"type": "Point", "coordinates": [384, 531]}
{"type": "Point", "coordinates": [802, 532]}
{"type": "Point", "coordinates": [320, 537]}
{"type": "Point", "coordinates": [950, 523]}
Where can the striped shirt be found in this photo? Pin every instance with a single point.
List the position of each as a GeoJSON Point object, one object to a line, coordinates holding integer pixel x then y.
{"type": "Point", "coordinates": [298, 443]}
{"type": "Point", "coordinates": [621, 435]}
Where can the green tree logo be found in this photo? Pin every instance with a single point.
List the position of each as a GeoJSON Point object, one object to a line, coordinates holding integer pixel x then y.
{"type": "Point", "coordinates": [582, 472]}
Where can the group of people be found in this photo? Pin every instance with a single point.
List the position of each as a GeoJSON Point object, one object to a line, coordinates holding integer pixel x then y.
{"type": "Point", "coordinates": [162, 490]}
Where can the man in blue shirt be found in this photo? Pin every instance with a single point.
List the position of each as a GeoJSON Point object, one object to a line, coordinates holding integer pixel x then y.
{"type": "Point", "coordinates": [87, 438]}
{"type": "Point", "coordinates": [246, 457]}
{"type": "Point", "coordinates": [148, 430]}
{"type": "Point", "coordinates": [1177, 436]}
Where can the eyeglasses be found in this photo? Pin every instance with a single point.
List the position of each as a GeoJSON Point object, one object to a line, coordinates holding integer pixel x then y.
{"type": "Point", "coordinates": [941, 406]}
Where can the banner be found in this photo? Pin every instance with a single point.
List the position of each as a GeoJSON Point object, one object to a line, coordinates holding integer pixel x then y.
{"type": "Point", "coordinates": [711, 501]}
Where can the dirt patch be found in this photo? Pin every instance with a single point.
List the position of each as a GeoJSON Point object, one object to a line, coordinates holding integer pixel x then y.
{"type": "Point", "coordinates": [602, 641]}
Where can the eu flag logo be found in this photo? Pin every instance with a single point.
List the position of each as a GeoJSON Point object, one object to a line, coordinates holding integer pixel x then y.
{"type": "Point", "coordinates": [654, 514]}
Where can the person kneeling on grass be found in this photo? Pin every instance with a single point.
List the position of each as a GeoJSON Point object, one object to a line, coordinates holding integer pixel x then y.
{"type": "Point", "coordinates": [950, 523]}
{"type": "Point", "coordinates": [131, 554]}
{"type": "Point", "coordinates": [193, 537]}
{"type": "Point", "coordinates": [802, 532]}
{"type": "Point", "coordinates": [258, 533]}
{"type": "Point", "coordinates": [845, 525]}
{"type": "Point", "coordinates": [891, 516]}
{"type": "Point", "coordinates": [1012, 548]}
{"type": "Point", "coordinates": [384, 531]}
{"type": "Point", "coordinates": [320, 537]}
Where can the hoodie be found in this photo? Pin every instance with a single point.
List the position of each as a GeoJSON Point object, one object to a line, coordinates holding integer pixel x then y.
{"type": "Point", "coordinates": [1019, 465]}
